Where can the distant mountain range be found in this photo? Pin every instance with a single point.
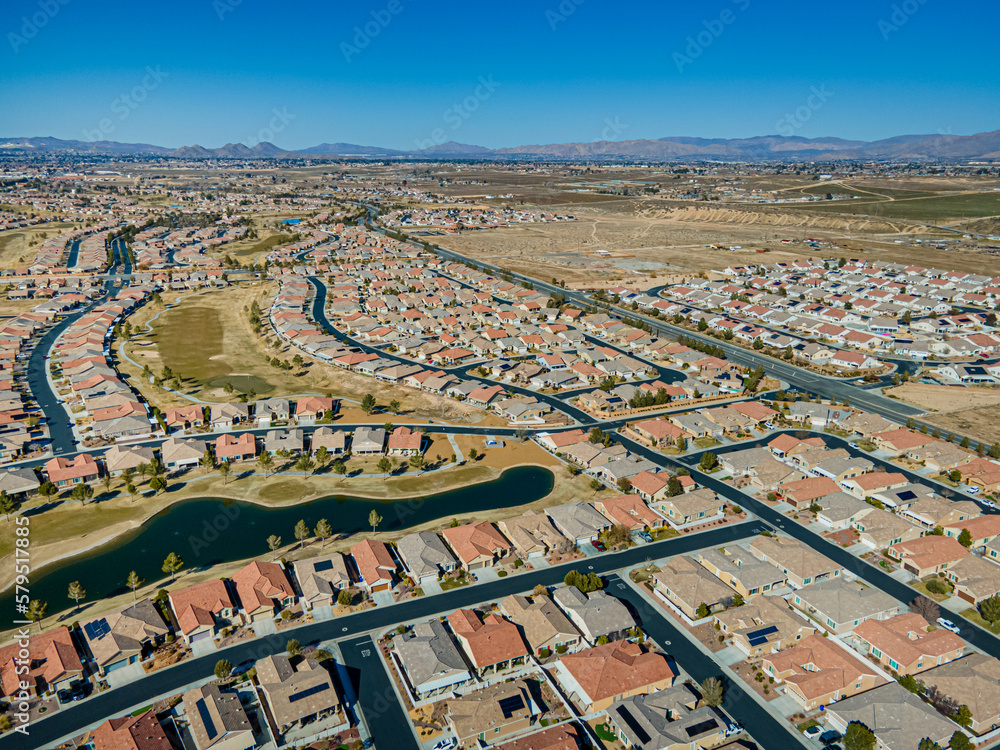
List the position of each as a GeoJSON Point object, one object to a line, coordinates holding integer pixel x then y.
{"type": "Point", "coordinates": [985, 146]}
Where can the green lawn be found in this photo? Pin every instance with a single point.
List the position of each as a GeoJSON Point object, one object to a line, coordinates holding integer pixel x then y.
{"type": "Point", "coordinates": [666, 532]}
{"type": "Point", "coordinates": [972, 614]}
{"type": "Point", "coordinates": [921, 586]}
{"type": "Point", "coordinates": [604, 733]}
{"type": "Point", "coordinates": [807, 725]}
{"type": "Point", "coordinates": [453, 583]}
{"type": "Point", "coordinates": [706, 442]}
{"type": "Point", "coordinates": [931, 208]}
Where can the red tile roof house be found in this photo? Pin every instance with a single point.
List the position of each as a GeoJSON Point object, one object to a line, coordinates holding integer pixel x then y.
{"type": "Point", "coordinates": [375, 565]}
{"type": "Point", "coordinates": [310, 409]}
{"type": "Point", "coordinates": [263, 589]}
{"type": "Point", "coordinates": [64, 472]}
{"type": "Point", "coordinates": [907, 644]}
{"type": "Point", "coordinates": [184, 417]}
{"type": "Point", "coordinates": [492, 644]}
{"type": "Point", "coordinates": [202, 608]}
{"type": "Point", "coordinates": [629, 511]}
{"type": "Point", "coordinates": [927, 555]}
{"type": "Point", "coordinates": [405, 442]}
{"type": "Point", "coordinates": [141, 732]}
{"type": "Point", "coordinates": [983, 529]}
{"type": "Point", "coordinates": [819, 672]}
{"type": "Point", "coordinates": [53, 664]}
{"type": "Point", "coordinates": [230, 448]}
{"type": "Point", "coordinates": [804, 492]}
{"type": "Point", "coordinates": [477, 545]}
{"type": "Point", "coordinates": [596, 678]}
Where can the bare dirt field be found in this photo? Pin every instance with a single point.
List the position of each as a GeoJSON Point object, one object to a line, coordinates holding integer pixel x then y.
{"type": "Point", "coordinates": [973, 411]}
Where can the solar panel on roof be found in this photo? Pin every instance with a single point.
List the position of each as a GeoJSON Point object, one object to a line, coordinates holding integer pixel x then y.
{"type": "Point", "coordinates": [701, 727]}
{"type": "Point", "coordinates": [323, 565]}
{"type": "Point", "coordinates": [758, 637]}
{"type": "Point", "coordinates": [640, 734]}
{"type": "Point", "coordinates": [206, 718]}
{"type": "Point", "coordinates": [307, 692]}
{"type": "Point", "coordinates": [97, 629]}
{"type": "Point", "coordinates": [509, 705]}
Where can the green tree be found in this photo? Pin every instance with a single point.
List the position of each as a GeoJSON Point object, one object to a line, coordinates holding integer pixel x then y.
{"type": "Point", "coordinates": [711, 691]}
{"type": "Point", "coordinates": [265, 461]}
{"type": "Point", "coordinates": [76, 593]}
{"type": "Point", "coordinates": [624, 485]}
{"type": "Point", "coordinates": [47, 489]}
{"type": "Point", "coordinates": [702, 325]}
{"type": "Point", "coordinates": [473, 454]}
{"type": "Point", "coordinates": [7, 504]}
{"type": "Point", "coordinates": [417, 461]}
{"type": "Point", "coordinates": [207, 461]}
{"type": "Point", "coordinates": [344, 598]}
{"type": "Point", "coordinates": [394, 406]}
{"type": "Point", "coordinates": [990, 608]}
{"type": "Point", "coordinates": [682, 444]}
{"type": "Point", "coordinates": [340, 469]}
{"type": "Point", "coordinates": [960, 741]}
{"type": "Point", "coordinates": [134, 582]}
{"type": "Point", "coordinates": [858, 737]}
{"type": "Point", "coordinates": [965, 538]}
{"type": "Point", "coordinates": [172, 564]}
{"type": "Point", "coordinates": [132, 491]}
{"type": "Point", "coordinates": [322, 456]}
{"type": "Point", "coordinates": [384, 466]}
{"type": "Point", "coordinates": [323, 531]}
{"type": "Point", "coordinates": [224, 470]}
{"type": "Point", "coordinates": [158, 484]}
{"type": "Point", "coordinates": [708, 461]}
{"type": "Point", "coordinates": [37, 609]}
{"type": "Point", "coordinates": [702, 611]}
{"type": "Point", "coordinates": [374, 519]}
{"type": "Point", "coordinates": [273, 542]}
{"type": "Point", "coordinates": [963, 717]}
{"type": "Point", "coordinates": [305, 464]}
{"type": "Point", "coordinates": [223, 669]}
{"type": "Point", "coordinates": [293, 648]}
{"type": "Point", "coordinates": [368, 404]}
{"type": "Point", "coordinates": [301, 533]}
{"type": "Point", "coordinates": [82, 492]}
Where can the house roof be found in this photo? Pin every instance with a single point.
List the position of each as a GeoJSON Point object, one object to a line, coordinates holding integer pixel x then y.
{"type": "Point", "coordinates": [819, 667]}
{"type": "Point", "coordinates": [474, 540]}
{"type": "Point", "coordinates": [488, 641]}
{"type": "Point", "coordinates": [907, 637]}
{"type": "Point", "coordinates": [261, 585]}
{"type": "Point", "coordinates": [142, 732]}
{"type": "Point", "coordinates": [895, 715]}
{"type": "Point", "coordinates": [615, 669]}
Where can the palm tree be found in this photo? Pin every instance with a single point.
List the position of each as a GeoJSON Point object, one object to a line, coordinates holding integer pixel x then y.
{"type": "Point", "coordinates": [265, 460]}
{"type": "Point", "coordinates": [301, 533]}
{"type": "Point", "coordinates": [374, 519]}
{"type": "Point", "coordinates": [172, 564]}
{"type": "Point", "coordinates": [134, 582]}
{"type": "Point", "coordinates": [76, 593]}
{"type": "Point", "coordinates": [273, 542]}
{"type": "Point", "coordinates": [323, 530]}
{"type": "Point", "coordinates": [224, 470]}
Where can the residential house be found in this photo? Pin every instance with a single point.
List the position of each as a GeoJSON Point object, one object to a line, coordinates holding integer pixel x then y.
{"type": "Point", "coordinates": [763, 625]}
{"type": "Point", "coordinates": [972, 681]}
{"type": "Point", "coordinates": [578, 521]}
{"type": "Point", "coordinates": [801, 564]}
{"type": "Point", "coordinates": [296, 695]}
{"type": "Point", "coordinates": [975, 579]}
{"type": "Point", "coordinates": [321, 579]}
{"type": "Point", "coordinates": [368, 441]}
{"type": "Point", "coordinates": [907, 644]}
{"type": "Point", "coordinates": [177, 453]}
{"type": "Point", "coordinates": [543, 625]}
{"type": "Point", "coordinates": [216, 719]}
{"type": "Point", "coordinates": [691, 508]}
{"type": "Point", "coordinates": [405, 442]}
{"type": "Point", "coordinates": [817, 672]}
{"type": "Point", "coordinates": [477, 545]}
{"type": "Point", "coordinates": [688, 586]}
{"type": "Point", "coordinates": [121, 637]}
{"type": "Point", "coordinates": [141, 732]}
{"type": "Point", "coordinates": [202, 609]}
{"type": "Point", "coordinates": [533, 535]}
{"type": "Point", "coordinates": [425, 556]}
{"type": "Point", "coordinates": [629, 511]}
{"type": "Point", "coordinates": [491, 643]}
{"type": "Point", "coordinates": [740, 570]}
{"type": "Point", "coordinates": [840, 605]}
{"type": "Point", "coordinates": [375, 565]}
{"type": "Point", "coordinates": [596, 678]}
{"type": "Point", "coordinates": [430, 661]}
{"type": "Point", "coordinates": [229, 448]}
{"type": "Point", "coordinates": [66, 472]}
{"type": "Point", "coordinates": [668, 719]}
{"type": "Point", "coordinates": [492, 714]}
{"type": "Point", "coordinates": [52, 664]}
{"type": "Point", "coordinates": [263, 589]}
{"type": "Point", "coordinates": [927, 555]}
{"type": "Point", "coordinates": [335, 441]}
{"type": "Point", "coordinates": [594, 614]}
{"type": "Point", "coordinates": [118, 459]}
{"type": "Point", "coordinates": [894, 715]}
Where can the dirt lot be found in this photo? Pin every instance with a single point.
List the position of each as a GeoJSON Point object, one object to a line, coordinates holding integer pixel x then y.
{"type": "Point", "coordinates": [972, 410]}
{"type": "Point", "coordinates": [18, 247]}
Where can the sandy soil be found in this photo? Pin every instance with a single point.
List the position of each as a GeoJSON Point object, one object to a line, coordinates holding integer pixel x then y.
{"type": "Point", "coordinates": [974, 410]}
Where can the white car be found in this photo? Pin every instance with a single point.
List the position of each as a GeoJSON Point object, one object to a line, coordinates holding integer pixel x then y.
{"type": "Point", "coordinates": [855, 446]}
{"type": "Point", "coordinates": [971, 489]}
{"type": "Point", "coordinates": [446, 744]}
{"type": "Point", "coordinates": [949, 625]}
{"type": "Point", "coordinates": [813, 731]}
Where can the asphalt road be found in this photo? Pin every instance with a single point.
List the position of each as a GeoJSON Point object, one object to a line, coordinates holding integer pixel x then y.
{"type": "Point", "coordinates": [77, 717]}
{"type": "Point", "coordinates": [387, 722]}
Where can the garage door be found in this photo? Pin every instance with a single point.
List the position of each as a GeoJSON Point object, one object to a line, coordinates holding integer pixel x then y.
{"type": "Point", "coordinates": [966, 596]}
{"type": "Point", "coordinates": [201, 636]}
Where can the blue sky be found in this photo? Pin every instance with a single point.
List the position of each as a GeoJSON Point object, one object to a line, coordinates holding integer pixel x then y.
{"type": "Point", "coordinates": [403, 73]}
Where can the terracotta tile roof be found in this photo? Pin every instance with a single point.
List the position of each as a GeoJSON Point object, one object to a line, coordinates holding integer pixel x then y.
{"type": "Point", "coordinates": [260, 584]}
{"type": "Point", "coordinates": [615, 669]}
{"type": "Point", "coordinates": [930, 551]}
{"type": "Point", "coordinates": [905, 638]}
{"type": "Point", "coordinates": [475, 539]}
{"type": "Point", "coordinates": [195, 605]}
{"type": "Point", "coordinates": [489, 641]}
{"type": "Point", "coordinates": [819, 667]}
{"type": "Point", "coordinates": [141, 732]}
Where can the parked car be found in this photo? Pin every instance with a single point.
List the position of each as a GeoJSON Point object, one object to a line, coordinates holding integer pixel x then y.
{"type": "Point", "coordinates": [949, 625]}
{"type": "Point", "coordinates": [644, 536]}
{"type": "Point", "coordinates": [79, 692]}
{"type": "Point", "coordinates": [733, 728]}
{"type": "Point", "coordinates": [830, 736]}
{"type": "Point", "coordinates": [446, 744]}
{"type": "Point", "coordinates": [599, 545]}
{"type": "Point", "coordinates": [971, 489]}
{"type": "Point", "coordinates": [813, 731]}
{"type": "Point", "coordinates": [855, 446]}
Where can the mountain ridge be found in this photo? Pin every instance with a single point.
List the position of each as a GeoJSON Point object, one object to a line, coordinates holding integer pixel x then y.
{"type": "Point", "coordinates": [925, 147]}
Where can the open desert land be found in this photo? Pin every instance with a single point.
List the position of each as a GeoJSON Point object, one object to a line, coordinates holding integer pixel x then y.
{"type": "Point", "coordinates": [226, 350]}
{"type": "Point", "coordinates": [666, 241]}
{"type": "Point", "coordinates": [971, 410]}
